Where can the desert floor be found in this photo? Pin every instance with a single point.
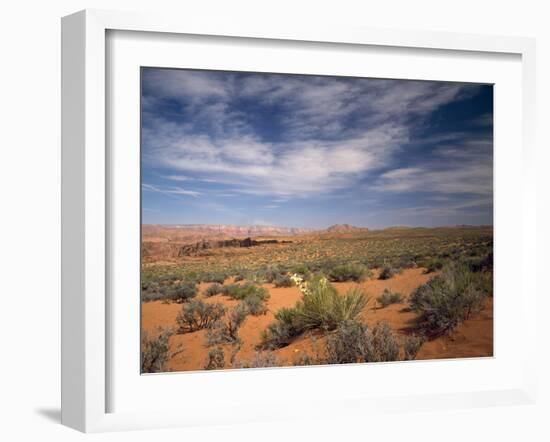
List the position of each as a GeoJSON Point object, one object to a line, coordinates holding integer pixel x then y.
{"type": "Point", "coordinates": [474, 338]}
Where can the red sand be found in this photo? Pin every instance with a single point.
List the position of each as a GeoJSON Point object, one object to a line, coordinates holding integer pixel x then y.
{"type": "Point", "coordinates": [474, 338]}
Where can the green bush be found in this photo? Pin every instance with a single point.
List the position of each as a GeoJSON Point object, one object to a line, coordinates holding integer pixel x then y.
{"type": "Point", "coordinates": [272, 272]}
{"type": "Point", "coordinates": [214, 289]}
{"type": "Point", "coordinates": [213, 277]}
{"type": "Point", "coordinates": [348, 272]}
{"type": "Point", "coordinates": [196, 315]}
{"type": "Point", "coordinates": [480, 263]}
{"type": "Point", "coordinates": [448, 299]}
{"type": "Point", "coordinates": [388, 297]}
{"type": "Point", "coordinates": [167, 289]}
{"type": "Point", "coordinates": [388, 272]}
{"type": "Point", "coordinates": [286, 327]}
{"type": "Point", "coordinates": [255, 305]}
{"type": "Point", "coordinates": [182, 292]}
{"type": "Point", "coordinates": [226, 330]}
{"type": "Point", "coordinates": [283, 281]}
{"type": "Point", "coordinates": [241, 292]}
{"type": "Point", "coordinates": [215, 359]}
{"type": "Point", "coordinates": [433, 265]}
{"type": "Point", "coordinates": [300, 269]}
{"type": "Point", "coordinates": [155, 352]}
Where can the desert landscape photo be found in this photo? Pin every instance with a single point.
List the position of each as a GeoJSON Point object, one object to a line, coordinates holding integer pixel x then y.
{"type": "Point", "coordinates": [299, 220]}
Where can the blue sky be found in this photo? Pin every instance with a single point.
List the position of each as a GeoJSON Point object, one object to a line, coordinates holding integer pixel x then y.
{"type": "Point", "coordinates": [311, 151]}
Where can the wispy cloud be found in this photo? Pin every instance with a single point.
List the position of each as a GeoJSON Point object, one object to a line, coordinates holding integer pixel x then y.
{"type": "Point", "coordinates": [466, 169]}
{"type": "Point", "coordinates": [267, 139]}
{"type": "Point", "coordinates": [320, 148]}
{"type": "Point", "coordinates": [170, 190]}
{"type": "Point", "coordinates": [177, 178]}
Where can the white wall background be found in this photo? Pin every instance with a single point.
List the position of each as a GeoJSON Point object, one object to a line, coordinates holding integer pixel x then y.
{"type": "Point", "coordinates": [30, 215]}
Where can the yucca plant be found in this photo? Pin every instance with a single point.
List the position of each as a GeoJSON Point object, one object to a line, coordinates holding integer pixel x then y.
{"type": "Point", "coordinates": [323, 307]}
{"type": "Point", "coordinates": [320, 307]}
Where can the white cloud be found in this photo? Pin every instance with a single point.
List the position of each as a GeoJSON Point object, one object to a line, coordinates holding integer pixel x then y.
{"type": "Point", "coordinates": [461, 168]}
{"type": "Point", "coordinates": [285, 169]}
{"type": "Point", "coordinates": [318, 151]}
{"type": "Point", "coordinates": [170, 190]}
{"type": "Point", "coordinates": [177, 177]}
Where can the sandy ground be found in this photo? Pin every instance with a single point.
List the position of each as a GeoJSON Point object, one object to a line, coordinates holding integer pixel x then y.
{"type": "Point", "coordinates": [474, 338]}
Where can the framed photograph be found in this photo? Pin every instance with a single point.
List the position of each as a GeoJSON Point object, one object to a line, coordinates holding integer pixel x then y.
{"type": "Point", "coordinates": [291, 223]}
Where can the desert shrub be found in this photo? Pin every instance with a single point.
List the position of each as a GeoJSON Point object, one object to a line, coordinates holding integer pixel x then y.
{"type": "Point", "coordinates": [150, 295]}
{"type": "Point", "coordinates": [215, 359]}
{"type": "Point", "coordinates": [241, 292]}
{"type": "Point", "coordinates": [448, 299]}
{"type": "Point", "coordinates": [286, 327]}
{"type": "Point", "coordinates": [169, 290]}
{"type": "Point", "coordinates": [214, 289]}
{"type": "Point", "coordinates": [168, 277]}
{"type": "Point", "coordinates": [377, 261]}
{"type": "Point", "coordinates": [300, 269]}
{"type": "Point", "coordinates": [226, 330]}
{"type": "Point", "coordinates": [406, 262]}
{"type": "Point", "coordinates": [384, 345]}
{"type": "Point", "coordinates": [348, 344]}
{"type": "Point", "coordinates": [304, 359]}
{"type": "Point", "coordinates": [182, 292]}
{"type": "Point", "coordinates": [412, 346]}
{"type": "Point", "coordinates": [348, 272]}
{"type": "Point", "coordinates": [155, 352]}
{"type": "Point", "coordinates": [320, 307]}
{"type": "Point", "coordinates": [196, 315]}
{"type": "Point", "coordinates": [282, 281]}
{"type": "Point", "coordinates": [388, 297]}
{"type": "Point", "coordinates": [354, 342]}
{"type": "Point", "coordinates": [484, 281]}
{"type": "Point", "coordinates": [261, 359]}
{"type": "Point", "coordinates": [433, 265]}
{"type": "Point", "coordinates": [241, 276]}
{"type": "Point", "coordinates": [255, 305]}
{"type": "Point", "coordinates": [213, 277]}
{"type": "Point", "coordinates": [480, 263]}
{"type": "Point", "coordinates": [268, 274]}
{"type": "Point", "coordinates": [388, 272]}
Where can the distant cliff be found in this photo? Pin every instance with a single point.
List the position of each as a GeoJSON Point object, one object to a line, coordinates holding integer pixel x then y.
{"type": "Point", "coordinates": [343, 228]}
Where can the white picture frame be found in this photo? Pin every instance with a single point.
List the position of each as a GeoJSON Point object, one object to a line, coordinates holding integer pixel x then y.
{"type": "Point", "coordinates": [86, 207]}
